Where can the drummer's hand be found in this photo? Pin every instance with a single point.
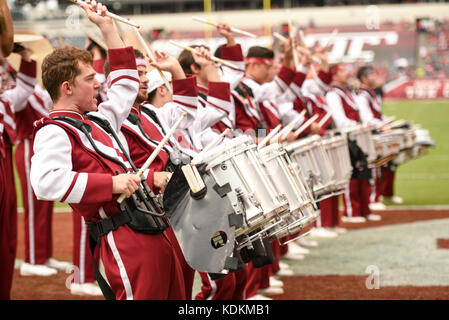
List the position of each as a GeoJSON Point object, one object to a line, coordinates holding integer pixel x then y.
{"type": "Point", "coordinates": [125, 184]}
{"type": "Point", "coordinates": [25, 54]}
{"type": "Point", "coordinates": [305, 56]}
{"type": "Point", "coordinates": [225, 30]}
{"type": "Point", "coordinates": [321, 53]}
{"type": "Point", "coordinates": [161, 179]}
{"type": "Point", "coordinates": [314, 128]}
{"type": "Point", "coordinates": [168, 63]}
{"type": "Point", "coordinates": [96, 12]}
{"type": "Point", "coordinates": [291, 137]}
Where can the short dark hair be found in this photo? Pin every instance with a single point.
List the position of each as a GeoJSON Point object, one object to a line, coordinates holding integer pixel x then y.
{"type": "Point", "coordinates": [186, 59]}
{"type": "Point", "coordinates": [63, 64]}
{"type": "Point", "coordinates": [260, 52]}
{"type": "Point", "coordinates": [364, 71]}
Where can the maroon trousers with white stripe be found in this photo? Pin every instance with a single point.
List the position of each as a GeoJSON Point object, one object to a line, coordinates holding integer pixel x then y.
{"type": "Point", "coordinates": [221, 289]}
{"type": "Point", "coordinates": [38, 213]}
{"type": "Point", "coordinates": [82, 256]}
{"type": "Point", "coordinates": [8, 224]}
{"type": "Point", "coordinates": [329, 215]}
{"type": "Point", "coordinates": [356, 198]}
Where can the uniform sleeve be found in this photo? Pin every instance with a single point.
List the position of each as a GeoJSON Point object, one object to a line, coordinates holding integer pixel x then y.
{"type": "Point", "coordinates": [277, 87]}
{"type": "Point", "coordinates": [287, 114]}
{"type": "Point", "coordinates": [338, 114]}
{"type": "Point", "coordinates": [25, 83]}
{"type": "Point", "coordinates": [366, 115]}
{"type": "Point", "coordinates": [234, 55]}
{"type": "Point", "coordinates": [52, 176]}
{"type": "Point", "coordinates": [185, 100]}
{"type": "Point", "coordinates": [124, 86]}
{"type": "Point", "coordinates": [217, 107]}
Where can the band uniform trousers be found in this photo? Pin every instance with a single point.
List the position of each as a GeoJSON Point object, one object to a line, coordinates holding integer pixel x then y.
{"type": "Point", "coordinates": [187, 271]}
{"type": "Point", "coordinates": [37, 213]}
{"type": "Point", "coordinates": [82, 256]}
{"type": "Point", "coordinates": [221, 289]}
{"type": "Point", "coordinates": [356, 198]}
{"type": "Point", "coordinates": [329, 214]}
{"type": "Point", "coordinates": [8, 224]}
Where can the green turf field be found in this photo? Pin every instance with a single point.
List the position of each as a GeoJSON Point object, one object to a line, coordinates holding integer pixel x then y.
{"type": "Point", "coordinates": [421, 181]}
{"type": "Point", "coordinates": [425, 180]}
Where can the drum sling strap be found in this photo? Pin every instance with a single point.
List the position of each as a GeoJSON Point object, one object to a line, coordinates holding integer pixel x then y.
{"type": "Point", "coordinates": [245, 91]}
{"type": "Point", "coordinates": [138, 219]}
{"type": "Point", "coordinates": [177, 157]}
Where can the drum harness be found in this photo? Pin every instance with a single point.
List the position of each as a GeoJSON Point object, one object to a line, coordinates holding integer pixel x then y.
{"type": "Point", "coordinates": [141, 212]}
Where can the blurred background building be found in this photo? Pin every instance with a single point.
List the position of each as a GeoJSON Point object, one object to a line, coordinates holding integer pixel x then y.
{"type": "Point", "coordinates": [403, 39]}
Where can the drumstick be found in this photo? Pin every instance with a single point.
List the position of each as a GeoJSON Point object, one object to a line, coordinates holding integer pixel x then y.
{"type": "Point", "coordinates": [284, 132]}
{"type": "Point", "coordinates": [198, 158]}
{"type": "Point", "coordinates": [226, 63]}
{"type": "Point", "coordinates": [190, 177]}
{"type": "Point", "coordinates": [152, 57]}
{"type": "Point", "coordinates": [279, 36]}
{"type": "Point", "coordinates": [292, 37]}
{"type": "Point", "coordinates": [198, 178]}
{"type": "Point", "coordinates": [216, 141]}
{"type": "Point", "coordinates": [301, 36]}
{"type": "Point", "coordinates": [242, 32]}
{"type": "Point", "coordinates": [332, 36]}
{"type": "Point", "coordinates": [268, 137]}
{"type": "Point", "coordinates": [288, 128]}
{"type": "Point", "coordinates": [325, 118]}
{"type": "Point", "coordinates": [111, 15]}
{"type": "Point", "coordinates": [305, 125]}
{"type": "Point", "coordinates": [154, 154]}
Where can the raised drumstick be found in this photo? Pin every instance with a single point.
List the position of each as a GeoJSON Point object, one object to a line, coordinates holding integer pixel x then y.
{"type": "Point", "coordinates": [112, 15]}
{"type": "Point", "coordinates": [211, 23]}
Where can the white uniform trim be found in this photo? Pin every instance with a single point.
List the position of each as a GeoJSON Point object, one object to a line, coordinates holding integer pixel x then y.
{"type": "Point", "coordinates": [213, 286]}
{"type": "Point", "coordinates": [121, 266]}
{"type": "Point", "coordinates": [347, 199]}
{"type": "Point", "coordinates": [31, 216]}
{"type": "Point", "coordinates": [83, 251]}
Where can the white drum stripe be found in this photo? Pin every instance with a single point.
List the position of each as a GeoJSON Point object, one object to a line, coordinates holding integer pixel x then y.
{"type": "Point", "coordinates": [121, 266]}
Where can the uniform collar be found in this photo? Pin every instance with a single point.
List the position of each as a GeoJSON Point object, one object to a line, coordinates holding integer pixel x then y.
{"type": "Point", "coordinates": [67, 113]}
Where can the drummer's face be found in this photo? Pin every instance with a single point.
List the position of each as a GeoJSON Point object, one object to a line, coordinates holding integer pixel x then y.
{"type": "Point", "coordinates": [261, 72]}
{"type": "Point", "coordinates": [84, 89]}
{"type": "Point", "coordinates": [342, 75]}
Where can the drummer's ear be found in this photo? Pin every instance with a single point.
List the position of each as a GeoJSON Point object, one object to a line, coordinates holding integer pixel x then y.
{"type": "Point", "coordinates": [195, 68]}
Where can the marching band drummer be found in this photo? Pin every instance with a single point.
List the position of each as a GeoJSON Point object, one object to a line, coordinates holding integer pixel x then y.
{"type": "Point", "coordinates": [143, 130]}
{"type": "Point", "coordinates": [76, 161]}
{"type": "Point", "coordinates": [10, 100]}
{"type": "Point", "coordinates": [370, 103]}
{"type": "Point", "coordinates": [371, 113]}
{"type": "Point", "coordinates": [345, 113]}
{"type": "Point", "coordinates": [216, 115]}
{"type": "Point", "coordinates": [38, 214]}
{"type": "Point", "coordinates": [314, 90]}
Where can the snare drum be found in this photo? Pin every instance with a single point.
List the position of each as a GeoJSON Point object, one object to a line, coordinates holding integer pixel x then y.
{"type": "Point", "coordinates": [310, 155]}
{"type": "Point", "coordinates": [388, 145]}
{"type": "Point", "coordinates": [291, 183]}
{"type": "Point", "coordinates": [338, 152]}
{"type": "Point", "coordinates": [236, 167]}
{"type": "Point", "coordinates": [362, 135]}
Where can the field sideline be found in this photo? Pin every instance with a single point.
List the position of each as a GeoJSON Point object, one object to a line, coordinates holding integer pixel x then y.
{"type": "Point", "coordinates": [422, 181]}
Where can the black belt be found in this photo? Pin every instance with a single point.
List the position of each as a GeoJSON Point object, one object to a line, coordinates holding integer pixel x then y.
{"type": "Point", "coordinates": [100, 228]}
